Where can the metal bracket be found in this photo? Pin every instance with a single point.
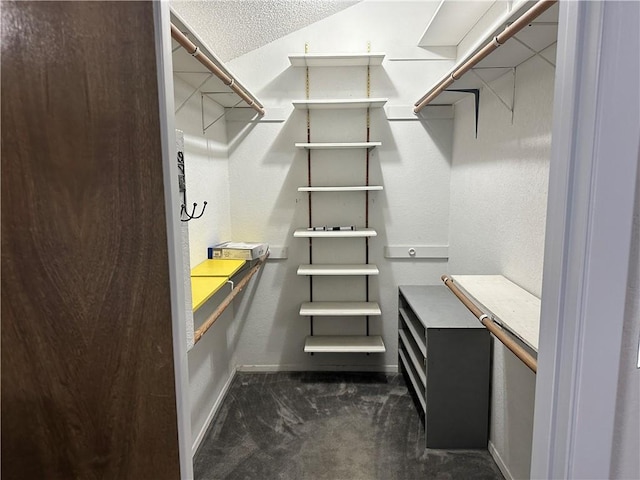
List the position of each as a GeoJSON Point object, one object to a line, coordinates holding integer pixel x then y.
{"type": "Point", "coordinates": [476, 94]}
{"type": "Point", "coordinates": [495, 94]}
{"type": "Point", "coordinates": [193, 93]}
{"type": "Point", "coordinates": [226, 110]}
{"type": "Point", "coordinates": [535, 52]}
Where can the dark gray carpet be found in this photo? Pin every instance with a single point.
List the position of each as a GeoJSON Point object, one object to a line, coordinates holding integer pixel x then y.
{"type": "Point", "coordinates": [337, 426]}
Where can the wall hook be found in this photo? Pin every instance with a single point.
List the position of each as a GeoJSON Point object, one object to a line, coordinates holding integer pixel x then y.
{"type": "Point", "coordinates": [183, 190]}
{"type": "Point", "coordinates": [192, 215]}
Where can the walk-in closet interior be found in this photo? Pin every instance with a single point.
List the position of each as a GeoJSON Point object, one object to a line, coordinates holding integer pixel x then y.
{"type": "Point", "coordinates": [395, 157]}
{"type": "Point", "coordinates": [436, 215]}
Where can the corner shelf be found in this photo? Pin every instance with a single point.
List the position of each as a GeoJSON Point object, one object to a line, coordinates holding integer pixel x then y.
{"type": "Point", "coordinates": [338, 270]}
{"type": "Point", "coordinates": [203, 288]}
{"type": "Point", "coordinates": [344, 344]}
{"type": "Point", "coordinates": [340, 309]}
{"type": "Point", "coordinates": [336, 59]}
{"type": "Point", "coordinates": [358, 233]}
{"type": "Point", "coordinates": [337, 145]}
{"type": "Point", "coordinates": [354, 188]}
{"type": "Point", "coordinates": [210, 276]}
{"type": "Point", "coordinates": [339, 103]}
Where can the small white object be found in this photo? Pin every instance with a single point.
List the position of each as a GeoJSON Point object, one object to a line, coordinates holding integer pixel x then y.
{"type": "Point", "coordinates": [483, 316]}
{"type": "Point", "coordinates": [412, 252]}
{"type": "Point", "coordinates": [195, 52]}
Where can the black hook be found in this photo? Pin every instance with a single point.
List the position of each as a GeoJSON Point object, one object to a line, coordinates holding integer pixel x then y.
{"type": "Point", "coordinates": [192, 216]}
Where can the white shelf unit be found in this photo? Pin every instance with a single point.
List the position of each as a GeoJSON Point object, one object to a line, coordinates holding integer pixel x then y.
{"type": "Point", "coordinates": [337, 145]}
{"type": "Point", "coordinates": [339, 103]}
{"type": "Point", "coordinates": [339, 309]}
{"type": "Point", "coordinates": [357, 233]}
{"type": "Point", "coordinates": [344, 344]}
{"type": "Point", "coordinates": [339, 343]}
{"type": "Point", "coordinates": [336, 59]}
{"type": "Point", "coordinates": [352, 188]}
{"type": "Point", "coordinates": [338, 270]}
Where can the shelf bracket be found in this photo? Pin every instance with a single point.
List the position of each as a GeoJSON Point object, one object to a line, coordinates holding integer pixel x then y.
{"type": "Point", "coordinates": [476, 94]}
{"type": "Point", "coordinates": [226, 110]}
{"type": "Point", "coordinates": [535, 52]}
{"type": "Point", "coordinates": [193, 93]}
{"type": "Point", "coordinates": [495, 94]}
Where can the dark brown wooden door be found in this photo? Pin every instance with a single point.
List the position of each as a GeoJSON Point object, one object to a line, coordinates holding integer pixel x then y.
{"type": "Point", "coordinates": [87, 359]}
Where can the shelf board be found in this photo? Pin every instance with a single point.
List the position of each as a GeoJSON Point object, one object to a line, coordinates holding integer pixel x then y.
{"type": "Point", "coordinates": [336, 59]}
{"type": "Point", "coordinates": [339, 309]}
{"type": "Point", "coordinates": [339, 103]}
{"type": "Point", "coordinates": [411, 352]}
{"type": "Point", "coordinates": [412, 377]}
{"type": "Point", "coordinates": [337, 145]}
{"type": "Point", "coordinates": [338, 270]}
{"type": "Point", "coordinates": [508, 304]}
{"type": "Point", "coordinates": [419, 339]}
{"type": "Point", "coordinates": [358, 233]}
{"type": "Point", "coordinates": [217, 268]}
{"type": "Point", "coordinates": [203, 288]}
{"type": "Point", "coordinates": [344, 344]}
{"type": "Point", "coordinates": [353, 188]}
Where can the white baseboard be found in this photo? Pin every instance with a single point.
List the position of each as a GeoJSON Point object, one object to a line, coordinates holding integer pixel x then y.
{"type": "Point", "coordinates": [318, 368]}
{"type": "Point", "coordinates": [212, 413]}
{"type": "Point", "coordinates": [498, 459]}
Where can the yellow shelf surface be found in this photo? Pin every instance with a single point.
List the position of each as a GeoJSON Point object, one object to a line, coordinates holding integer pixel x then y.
{"type": "Point", "coordinates": [203, 288]}
{"type": "Point", "coordinates": [217, 268]}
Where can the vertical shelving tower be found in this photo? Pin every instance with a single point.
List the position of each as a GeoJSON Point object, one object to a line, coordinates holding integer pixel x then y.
{"type": "Point", "coordinates": [336, 343]}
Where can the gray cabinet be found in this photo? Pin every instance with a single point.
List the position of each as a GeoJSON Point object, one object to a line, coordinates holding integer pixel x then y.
{"type": "Point", "coordinates": [444, 353]}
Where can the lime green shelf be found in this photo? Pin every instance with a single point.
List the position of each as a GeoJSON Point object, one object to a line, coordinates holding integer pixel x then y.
{"type": "Point", "coordinates": [203, 288]}
{"type": "Point", "coordinates": [209, 276]}
{"type": "Point", "coordinates": [217, 268]}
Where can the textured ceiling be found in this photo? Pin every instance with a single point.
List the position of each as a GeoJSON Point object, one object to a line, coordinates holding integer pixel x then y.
{"type": "Point", "coordinates": [234, 27]}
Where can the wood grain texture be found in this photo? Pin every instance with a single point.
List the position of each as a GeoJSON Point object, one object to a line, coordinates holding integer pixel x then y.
{"type": "Point", "coordinates": [87, 359]}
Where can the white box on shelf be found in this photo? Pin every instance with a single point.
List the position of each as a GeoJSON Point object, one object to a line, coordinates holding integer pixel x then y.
{"type": "Point", "coordinates": [238, 250]}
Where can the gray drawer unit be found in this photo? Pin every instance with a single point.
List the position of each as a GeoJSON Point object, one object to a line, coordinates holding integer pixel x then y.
{"type": "Point", "coordinates": [444, 353]}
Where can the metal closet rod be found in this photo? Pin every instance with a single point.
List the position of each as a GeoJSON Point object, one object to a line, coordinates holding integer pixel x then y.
{"type": "Point", "coordinates": [524, 20]}
{"type": "Point", "coordinates": [490, 325]}
{"type": "Point", "coordinates": [229, 81]}
{"type": "Point", "coordinates": [228, 299]}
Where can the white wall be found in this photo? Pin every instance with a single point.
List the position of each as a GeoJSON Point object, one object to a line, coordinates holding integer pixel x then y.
{"type": "Point", "coordinates": [265, 170]}
{"type": "Point", "coordinates": [211, 362]}
{"type": "Point", "coordinates": [498, 212]}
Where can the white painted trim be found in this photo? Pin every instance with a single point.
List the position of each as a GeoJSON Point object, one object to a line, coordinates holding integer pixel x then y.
{"type": "Point", "coordinates": [493, 451]}
{"type": "Point", "coordinates": [319, 368]}
{"type": "Point", "coordinates": [212, 413]}
{"type": "Point", "coordinates": [161, 19]}
{"type": "Point", "coordinates": [588, 235]}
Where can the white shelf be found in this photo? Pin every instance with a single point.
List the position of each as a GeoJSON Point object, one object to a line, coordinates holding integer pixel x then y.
{"type": "Point", "coordinates": [338, 270]}
{"type": "Point", "coordinates": [358, 233]}
{"type": "Point", "coordinates": [418, 365]}
{"type": "Point", "coordinates": [339, 103]}
{"type": "Point", "coordinates": [420, 392]}
{"type": "Point", "coordinates": [336, 59]}
{"type": "Point", "coordinates": [417, 336]}
{"type": "Point", "coordinates": [353, 188]}
{"type": "Point", "coordinates": [509, 305]}
{"type": "Point", "coordinates": [337, 145]}
{"type": "Point", "coordinates": [340, 309]}
{"type": "Point", "coordinates": [344, 344]}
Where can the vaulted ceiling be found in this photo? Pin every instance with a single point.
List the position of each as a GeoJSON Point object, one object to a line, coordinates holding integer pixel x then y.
{"type": "Point", "coordinates": [234, 27]}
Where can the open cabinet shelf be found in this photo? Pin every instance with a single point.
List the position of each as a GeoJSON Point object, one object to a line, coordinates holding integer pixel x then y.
{"type": "Point", "coordinates": [357, 233]}
{"type": "Point", "coordinates": [337, 145]}
{"type": "Point", "coordinates": [339, 309]}
{"type": "Point", "coordinates": [344, 344]}
{"type": "Point", "coordinates": [338, 270]}
{"type": "Point", "coordinates": [352, 188]}
{"type": "Point", "coordinates": [339, 103]}
{"type": "Point", "coordinates": [336, 59]}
